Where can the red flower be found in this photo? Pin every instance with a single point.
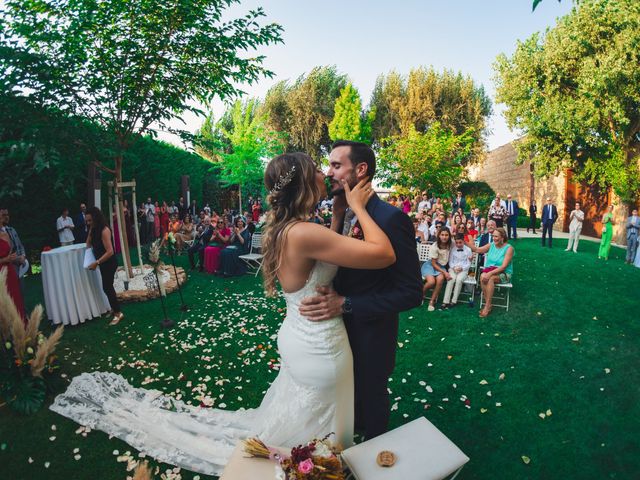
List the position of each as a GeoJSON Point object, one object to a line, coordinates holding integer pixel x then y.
{"type": "Point", "coordinates": [46, 249]}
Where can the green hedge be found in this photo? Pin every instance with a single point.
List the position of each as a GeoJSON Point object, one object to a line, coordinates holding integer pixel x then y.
{"type": "Point", "coordinates": [156, 166]}
{"type": "Point", "coordinates": [523, 221]}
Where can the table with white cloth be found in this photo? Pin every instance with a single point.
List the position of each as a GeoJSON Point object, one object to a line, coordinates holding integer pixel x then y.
{"type": "Point", "coordinates": [72, 293]}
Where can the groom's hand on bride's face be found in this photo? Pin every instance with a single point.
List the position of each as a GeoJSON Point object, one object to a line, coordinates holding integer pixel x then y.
{"type": "Point", "coordinates": [324, 306]}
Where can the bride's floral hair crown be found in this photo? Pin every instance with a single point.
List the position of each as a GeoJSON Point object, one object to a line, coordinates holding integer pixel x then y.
{"type": "Point", "coordinates": [283, 180]}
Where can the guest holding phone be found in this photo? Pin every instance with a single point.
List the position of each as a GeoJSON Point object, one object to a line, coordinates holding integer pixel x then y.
{"type": "Point", "coordinates": [498, 266]}
{"type": "Point", "coordinates": [99, 239]}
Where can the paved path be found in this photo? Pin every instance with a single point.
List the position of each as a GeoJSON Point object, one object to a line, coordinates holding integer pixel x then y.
{"type": "Point", "coordinates": [522, 233]}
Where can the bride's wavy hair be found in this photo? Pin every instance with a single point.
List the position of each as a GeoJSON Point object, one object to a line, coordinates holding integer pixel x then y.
{"type": "Point", "coordinates": [290, 179]}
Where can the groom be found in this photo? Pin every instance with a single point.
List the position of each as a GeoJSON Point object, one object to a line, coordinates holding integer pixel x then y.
{"type": "Point", "coordinates": [368, 300]}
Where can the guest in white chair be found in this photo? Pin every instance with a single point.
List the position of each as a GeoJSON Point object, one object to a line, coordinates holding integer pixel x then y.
{"type": "Point", "coordinates": [459, 264]}
{"type": "Point", "coordinates": [435, 271]}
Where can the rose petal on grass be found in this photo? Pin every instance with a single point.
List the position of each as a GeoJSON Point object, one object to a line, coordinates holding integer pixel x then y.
{"type": "Point", "coordinates": [526, 459]}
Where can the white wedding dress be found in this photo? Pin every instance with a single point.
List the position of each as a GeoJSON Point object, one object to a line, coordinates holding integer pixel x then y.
{"type": "Point", "coordinates": [311, 397]}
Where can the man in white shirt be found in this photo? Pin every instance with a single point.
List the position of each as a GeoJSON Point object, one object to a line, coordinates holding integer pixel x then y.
{"type": "Point", "coordinates": [459, 263]}
{"type": "Point", "coordinates": [576, 218]}
{"type": "Point", "coordinates": [65, 227]}
{"type": "Point", "coordinates": [425, 204]}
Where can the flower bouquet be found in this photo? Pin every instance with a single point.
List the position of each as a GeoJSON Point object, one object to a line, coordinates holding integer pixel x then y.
{"type": "Point", "coordinates": [317, 460]}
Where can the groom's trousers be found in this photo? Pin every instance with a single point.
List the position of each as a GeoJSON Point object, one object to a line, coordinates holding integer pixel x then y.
{"type": "Point", "coordinates": [373, 343]}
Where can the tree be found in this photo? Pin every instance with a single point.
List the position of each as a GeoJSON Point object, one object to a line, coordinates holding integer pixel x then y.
{"type": "Point", "coordinates": [304, 110]}
{"type": "Point", "coordinates": [427, 96]}
{"type": "Point", "coordinates": [349, 121]}
{"type": "Point", "coordinates": [432, 160]}
{"type": "Point", "coordinates": [130, 66]}
{"type": "Point", "coordinates": [575, 94]}
{"type": "Point", "coordinates": [243, 144]}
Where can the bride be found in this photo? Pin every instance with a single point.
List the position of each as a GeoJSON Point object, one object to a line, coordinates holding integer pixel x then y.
{"type": "Point", "coordinates": [313, 392]}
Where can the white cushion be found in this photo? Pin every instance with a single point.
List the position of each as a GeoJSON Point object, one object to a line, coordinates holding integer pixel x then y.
{"type": "Point", "coordinates": [422, 453]}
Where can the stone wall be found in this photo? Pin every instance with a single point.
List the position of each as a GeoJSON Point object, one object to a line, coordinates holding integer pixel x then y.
{"type": "Point", "coordinates": [501, 172]}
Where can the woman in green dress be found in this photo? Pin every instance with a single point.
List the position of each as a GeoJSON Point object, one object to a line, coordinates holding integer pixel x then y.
{"type": "Point", "coordinates": [607, 233]}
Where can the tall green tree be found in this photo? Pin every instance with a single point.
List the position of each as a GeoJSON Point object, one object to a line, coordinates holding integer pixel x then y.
{"type": "Point", "coordinates": [426, 96]}
{"type": "Point", "coordinates": [304, 109]}
{"type": "Point", "coordinates": [432, 160]}
{"type": "Point", "coordinates": [241, 144]}
{"type": "Point", "coordinates": [575, 94]}
{"type": "Point", "coordinates": [349, 121]}
{"type": "Point", "coordinates": [130, 66]}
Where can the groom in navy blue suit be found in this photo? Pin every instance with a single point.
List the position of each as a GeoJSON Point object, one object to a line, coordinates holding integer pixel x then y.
{"type": "Point", "coordinates": [369, 300]}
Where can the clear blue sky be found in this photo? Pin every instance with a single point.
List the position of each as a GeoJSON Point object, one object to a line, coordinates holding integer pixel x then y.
{"type": "Point", "coordinates": [366, 38]}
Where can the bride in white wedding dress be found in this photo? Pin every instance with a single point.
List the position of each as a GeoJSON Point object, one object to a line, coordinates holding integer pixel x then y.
{"type": "Point", "coordinates": [313, 392]}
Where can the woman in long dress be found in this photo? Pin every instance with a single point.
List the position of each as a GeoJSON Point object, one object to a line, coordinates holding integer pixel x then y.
{"type": "Point", "coordinates": [230, 261]}
{"type": "Point", "coordinates": [7, 264]}
{"type": "Point", "coordinates": [607, 234]}
{"type": "Point", "coordinates": [313, 392]}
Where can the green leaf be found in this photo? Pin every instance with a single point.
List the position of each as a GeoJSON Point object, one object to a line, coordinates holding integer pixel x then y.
{"type": "Point", "coordinates": [25, 395]}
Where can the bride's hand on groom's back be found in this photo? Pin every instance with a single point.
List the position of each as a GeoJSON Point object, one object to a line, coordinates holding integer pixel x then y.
{"type": "Point", "coordinates": [358, 196]}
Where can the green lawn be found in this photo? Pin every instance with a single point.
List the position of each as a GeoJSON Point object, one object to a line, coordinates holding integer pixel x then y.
{"type": "Point", "coordinates": [568, 344]}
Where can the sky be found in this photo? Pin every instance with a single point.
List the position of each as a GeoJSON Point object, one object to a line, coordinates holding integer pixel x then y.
{"type": "Point", "coordinates": [366, 38]}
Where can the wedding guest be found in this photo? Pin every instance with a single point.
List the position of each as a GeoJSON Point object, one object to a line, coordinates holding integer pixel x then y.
{"type": "Point", "coordinates": [475, 217]}
{"type": "Point", "coordinates": [149, 215]}
{"type": "Point", "coordinates": [16, 243]}
{"type": "Point", "coordinates": [497, 212]}
{"type": "Point", "coordinates": [65, 226]}
{"type": "Point", "coordinates": [164, 219]}
{"type": "Point", "coordinates": [157, 224]}
{"type": "Point", "coordinates": [632, 226]}
{"type": "Point", "coordinates": [533, 210]}
{"type": "Point", "coordinates": [230, 262]}
{"type": "Point", "coordinates": [455, 221]}
{"type": "Point", "coordinates": [255, 211]}
{"type": "Point", "coordinates": [576, 218]}
{"type": "Point", "coordinates": [8, 260]}
{"type": "Point", "coordinates": [636, 262]}
{"type": "Point", "coordinates": [498, 266]}
{"type": "Point", "coordinates": [186, 232]}
{"type": "Point", "coordinates": [435, 271]}
{"type": "Point", "coordinates": [437, 205]}
{"type": "Point", "coordinates": [501, 202]}
{"type": "Point", "coordinates": [99, 240]}
{"type": "Point", "coordinates": [607, 233]}
{"type": "Point", "coordinates": [481, 225]}
{"type": "Point", "coordinates": [472, 233]}
{"type": "Point", "coordinates": [81, 229]}
{"type": "Point", "coordinates": [424, 225]}
{"type": "Point", "coordinates": [219, 240]}
{"type": "Point", "coordinates": [207, 209]}
{"type": "Point", "coordinates": [419, 234]}
{"type": "Point", "coordinates": [424, 204]}
{"type": "Point", "coordinates": [487, 237]}
{"type": "Point", "coordinates": [183, 208]}
{"type": "Point", "coordinates": [405, 203]}
{"type": "Point", "coordinates": [512, 218]}
{"type": "Point", "coordinates": [193, 209]}
{"type": "Point", "coordinates": [200, 243]}
{"type": "Point", "coordinates": [128, 223]}
{"type": "Point", "coordinates": [459, 264]}
{"type": "Point", "coordinates": [459, 202]}
{"type": "Point", "coordinates": [549, 217]}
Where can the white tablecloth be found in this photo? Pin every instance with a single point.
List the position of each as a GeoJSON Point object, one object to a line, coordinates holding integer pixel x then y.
{"type": "Point", "coordinates": [72, 294]}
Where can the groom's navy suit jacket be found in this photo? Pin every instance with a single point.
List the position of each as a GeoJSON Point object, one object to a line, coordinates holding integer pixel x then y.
{"type": "Point", "coordinates": [377, 296]}
{"type": "Point", "coordinates": [383, 293]}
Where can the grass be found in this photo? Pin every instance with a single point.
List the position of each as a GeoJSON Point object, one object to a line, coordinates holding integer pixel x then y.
{"type": "Point", "coordinates": [568, 344]}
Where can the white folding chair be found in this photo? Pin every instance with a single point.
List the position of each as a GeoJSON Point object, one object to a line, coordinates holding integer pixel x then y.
{"type": "Point", "coordinates": [254, 259]}
{"type": "Point", "coordinates": [501, 293]}
{"type": "Point", "coordinates": [423, 252]}
{"type": "Point", "coordinates": [472, 278]}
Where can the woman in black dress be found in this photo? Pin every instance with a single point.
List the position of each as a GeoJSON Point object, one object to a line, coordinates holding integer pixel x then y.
{"type": "Point", "coordinates": [533, 209]}
{"type": "Point", "coordinates": [99, 239]}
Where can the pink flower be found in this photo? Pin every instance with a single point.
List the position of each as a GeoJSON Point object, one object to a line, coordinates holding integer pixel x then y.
{"type": "Point", "coordinates": [306, 466]}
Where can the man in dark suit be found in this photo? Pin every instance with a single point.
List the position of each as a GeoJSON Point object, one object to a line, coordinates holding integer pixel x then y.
{"type": "Point", "coordinates": [459, 202]}
{"type": "Point", "coordinates": [512, 220]}
{"type": "Point", "coordinates": [487, 237]}
{"type": "Point", "coordinates": [549, 217]}
{"type": "Point", "coordinates": [81, 229]}
{"type": "Point", "coordinates": [369, 300]}
{"type": "Point", "coordinates": [203, 237]}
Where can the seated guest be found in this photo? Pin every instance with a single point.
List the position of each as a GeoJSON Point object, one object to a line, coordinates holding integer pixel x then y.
{"type": "Point", "coordinates": [475, 217]}
{"type": "Point", "coordinates": [8, 259]}
{"type": "Point", "coordinates": [472, 233]}
{"type": "Point", "coordinates": [419, 234]}
{"type": "Point", "coordinates": [200, 243]}
{"type": "Point", "coordinates": [239, 243]}
{"type": "Point", "coordinates": [481, 225]}
{"type": "Point", "coordinates": [459, 263]}
{"type": "Point", "coordinates": [435, 270]}
{"type": "Point", "coordinates": [498, 267]}
{"type": "Point", "coordinates": [186, 233]}
{"type": "Point", "coordinates": [99, 240]}
{"type": "Point", "coordinates": [487, 237]}
{"type": "Point", "coordinates": [497, 212]}
{"type": "Point", "coordinates": [217, 243]}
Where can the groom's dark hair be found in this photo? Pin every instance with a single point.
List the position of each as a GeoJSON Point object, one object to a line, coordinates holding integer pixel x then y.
{"type": "Point", "coordinates": [359, 153]}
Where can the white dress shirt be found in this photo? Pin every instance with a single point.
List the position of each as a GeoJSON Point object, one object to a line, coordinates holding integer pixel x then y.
{"type": "Point", "coordinates": [460, 259]}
